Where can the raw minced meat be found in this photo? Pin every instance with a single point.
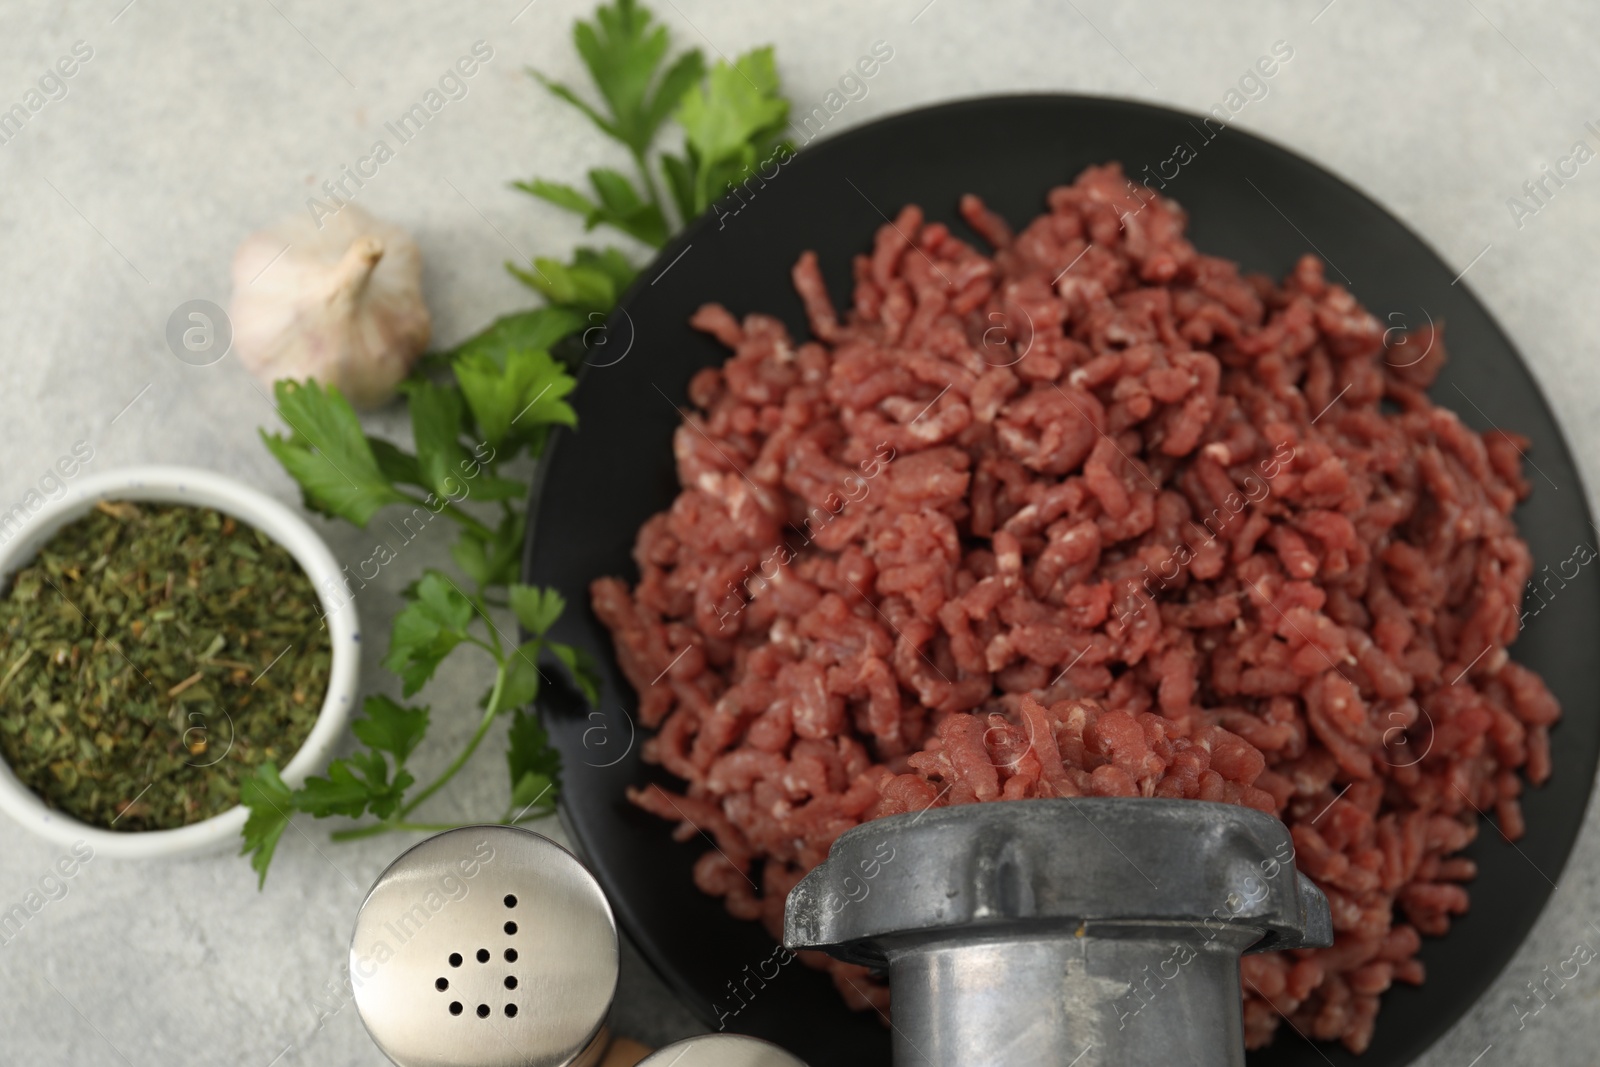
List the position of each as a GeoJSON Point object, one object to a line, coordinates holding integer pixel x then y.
{"type": "Point", "coordinates": [1092, 514]}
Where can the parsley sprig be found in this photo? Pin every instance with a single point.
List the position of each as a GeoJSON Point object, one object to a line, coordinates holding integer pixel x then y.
{"type": "Point", "coordinates": [732, 118]}
{"type": "Point", "coordinates": [491, 400]}
{"type": "Point", "coordinates": [501, 402]}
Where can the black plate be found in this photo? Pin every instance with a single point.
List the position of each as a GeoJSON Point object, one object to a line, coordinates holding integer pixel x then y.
{"type": "Point", "coordinates": [1248, 200]}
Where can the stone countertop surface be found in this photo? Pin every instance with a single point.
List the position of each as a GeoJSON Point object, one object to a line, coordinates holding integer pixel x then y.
{"type": "Point", "coordinates": [188, 126]}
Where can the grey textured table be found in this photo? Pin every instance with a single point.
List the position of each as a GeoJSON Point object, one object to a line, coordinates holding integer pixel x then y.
{"type": "Point", "coordinates": [191, 125]}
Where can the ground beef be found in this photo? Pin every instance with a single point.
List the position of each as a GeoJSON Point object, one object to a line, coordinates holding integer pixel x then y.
{"type": "Point", "coordinates": [1094, 514]}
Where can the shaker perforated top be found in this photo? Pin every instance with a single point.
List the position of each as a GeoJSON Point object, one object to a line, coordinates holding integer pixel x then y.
{"type": "Point", "coordinates": [485, 946]}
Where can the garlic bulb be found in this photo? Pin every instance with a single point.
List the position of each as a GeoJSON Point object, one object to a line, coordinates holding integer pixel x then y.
{"type": "Point", "coordinates": [341, 304]}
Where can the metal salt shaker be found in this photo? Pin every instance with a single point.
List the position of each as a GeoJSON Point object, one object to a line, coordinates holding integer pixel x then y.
{"type": "Point", "coordinates": [486, 946]}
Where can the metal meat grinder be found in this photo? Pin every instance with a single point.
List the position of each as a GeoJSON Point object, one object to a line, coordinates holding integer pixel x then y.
{"type": "Point", "coordinates": [1092, 932]}
{"type": "Point", "coordinates": [1097, 932]}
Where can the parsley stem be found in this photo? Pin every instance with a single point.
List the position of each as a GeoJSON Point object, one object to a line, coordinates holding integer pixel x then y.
{"type": "Point", "coordinates": [494, 635]}
{"type": "Point", "coordinates": [650, 184]}
{"type": "Point", "coordinates": [489, 713]}
{"type": "Point", "coordinates": [468, 521]}
{"type": "Point", "coordinates": [457, 514]}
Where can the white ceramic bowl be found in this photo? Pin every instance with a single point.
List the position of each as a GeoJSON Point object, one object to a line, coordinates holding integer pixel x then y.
{"type": "Point", "coordinates": [186, 485]}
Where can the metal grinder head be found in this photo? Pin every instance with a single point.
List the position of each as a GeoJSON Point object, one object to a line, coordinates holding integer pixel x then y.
{"type": "Point", "coordinates": [1096, 932]}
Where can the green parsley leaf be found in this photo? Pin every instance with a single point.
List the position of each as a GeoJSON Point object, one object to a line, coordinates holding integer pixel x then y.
{"type": "Point", "coordinates": [610, 263]}
{"type": "Point", "coordinates": [565, 286]}
{"type": "Point", "coordinates": [591, 283]}
{"type": "Point", "coordinates": [497, 560]}
{"type": "Point", "coordinates": [509, 399]}
{"type": "Point", "coordinates": [488, 487]}
{"type": "Point", "coordinates": [383, 803]}
{"type": "Point", "coordinates": [266, 796]}
{"type": "Point", "coordinates": [622, 207]}
{"type": "Point", "coordinates": [436, 413]}
{"type": "Point", "coordinates": [428, 628]}
{"type": "Point", "coordinates": [534, 765]}
{"type": "Point", "coordinates": [358, 783]}
{"type": "Point", "coordinates": [340, 793]}
{"type": "Point", "coordinates": [504, 550]}
{"type": "Point", "coordinates": [721, 179]}
{"type": "Point", "coordinates": [390, 727]}
{"type": "Point", "coordinates": [726, 123]}
{"type": "Point", "coordinates": [469, 554]}
{"type": "Point", "coordinates": [526, 330]}
{"type": "Point", "coordinates": [532, 796]}
{"type": "Point", "coordinates": [327, 453]}
{"type": "Point", "coordinates": [680, 183]}
{"type": "Point", "coordinates": [623, 51]}
{"type": "Point", "coordinates": [618, 205]}
{"type": "Point", "coordinates": [585, 673]}
{"type": "Point", "coordinates": [536, 609]}
{"type": "Point", "coordinates": [685, 73]}
{"type": "Point", "coordinates": [563, 93]}
{"type": "Point", "coordinates": [397, 466]}
{"type": "Point", "coordinates": [522, 678]}
{"type": "Point", "coordinates": [563, 196]}
{"type": "Point", "coordinates": [383, 796]}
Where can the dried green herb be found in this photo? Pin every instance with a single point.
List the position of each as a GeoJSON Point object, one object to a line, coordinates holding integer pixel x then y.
{"type": "Point", "coordinates": [150, 657]}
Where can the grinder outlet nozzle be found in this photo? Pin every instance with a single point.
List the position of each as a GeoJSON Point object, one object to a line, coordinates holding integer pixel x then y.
{"type": "Point", "coordinates": [1095, 931]}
